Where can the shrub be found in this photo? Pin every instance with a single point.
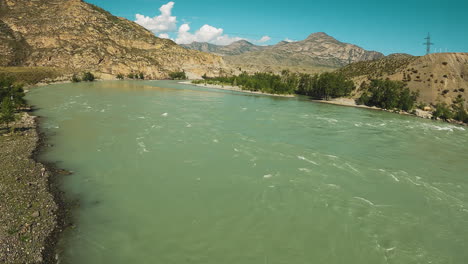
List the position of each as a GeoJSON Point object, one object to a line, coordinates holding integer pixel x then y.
{"type": "Point", "coordinates": [120, 76]}
{"type": "Point", "coordinates": [75, 78]}
{"type": "Point", "coordinates": [141, 76]}
{"type": "Point", "coordinates": [178, 75]}
{"type": "Point", "coordinates": [88, 77]}
{"type": "Point", "coordinates": [442, 111]}
{"type": "Point", "coordinates": [131, 75]}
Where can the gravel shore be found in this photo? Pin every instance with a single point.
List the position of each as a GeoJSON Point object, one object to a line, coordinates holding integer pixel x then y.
{"type": "Point", "coordinates": [30, 206]}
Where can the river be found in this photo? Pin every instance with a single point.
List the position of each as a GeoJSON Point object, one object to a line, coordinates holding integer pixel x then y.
{"type": "Point", "coordinates": [172, 173]}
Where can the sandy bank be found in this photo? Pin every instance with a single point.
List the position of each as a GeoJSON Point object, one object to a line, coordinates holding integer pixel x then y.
{"type": "Point", "coordinates": [236, 89]}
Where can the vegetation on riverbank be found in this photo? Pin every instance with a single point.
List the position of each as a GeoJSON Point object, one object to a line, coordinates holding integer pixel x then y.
{"type": "Point", "coordinates": [178, 75]}
{"type": "Point", "coordinates": [323, 86]}
{"type": "Point", "coordinates": [30, 75]}
{"type": "Point", "coordinates": [456, 111]}
{"type": "Point", "coordinates": [85, 77]}
{"type": "Point", "coordinates": [388, 94]}
{"type": "Point", "coordinates": [11, 99]}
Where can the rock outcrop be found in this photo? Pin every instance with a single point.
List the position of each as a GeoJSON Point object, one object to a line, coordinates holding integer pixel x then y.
{"type": "Point", "coordinates": [77, 36]}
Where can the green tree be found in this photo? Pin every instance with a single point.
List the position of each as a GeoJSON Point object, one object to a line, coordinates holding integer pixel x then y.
{"type": "Point", "coordinates": [120, 76]}
{"type": "Point", "coordinates": [388, 94]}
{"type": "Point", "coordinates": [7, 112]}
{"type": "Point", "coordinates": [459, 111]}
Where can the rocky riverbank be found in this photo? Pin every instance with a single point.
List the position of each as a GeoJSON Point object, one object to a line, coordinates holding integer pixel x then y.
{"type": "Point", "coordinates": [417, 112]}
{"type": "Point", "coordinates": [31, 211]}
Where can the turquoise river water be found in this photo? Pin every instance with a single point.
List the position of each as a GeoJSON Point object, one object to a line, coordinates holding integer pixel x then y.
{"type": "Point", "coordinates": [172, 173]}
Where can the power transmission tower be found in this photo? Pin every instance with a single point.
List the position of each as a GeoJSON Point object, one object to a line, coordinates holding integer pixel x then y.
{"type": "Point", "coordinates": [428, 43]}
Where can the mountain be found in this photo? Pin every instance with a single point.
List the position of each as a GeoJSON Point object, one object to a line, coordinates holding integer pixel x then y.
{"type": "Point", "coordinates": [77, 36]}
{"type": "Point", "coordinates": [319, 49]}
{"type": "Point", "coordinates": [235, 48]}
{"type": "Point", "coordinates": [439, 77]}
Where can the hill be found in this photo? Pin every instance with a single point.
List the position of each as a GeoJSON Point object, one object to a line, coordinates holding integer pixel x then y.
{"type": "Point", "coordinates": [77, 36]}
{"type": "Point", "coordinates": [318, 50]}
{"type": "Point", "coordinates": [439, 77]}
{"type": "Point", "coordinates": [235, 48]}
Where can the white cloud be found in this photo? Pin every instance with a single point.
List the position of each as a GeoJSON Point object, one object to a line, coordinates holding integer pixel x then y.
{"type": "Point", "coordinates": [164, 35]}
{"type": "Point", "coordinates": [289, 40]}
{"type": "Point", "coordinates": [163, 23]}
{"type": "Point", "coordinates": [166, 23]}
{"type": "Point", "coordinates": [264, 39]}
{"type": "Point", "coordinates": [206, 33]}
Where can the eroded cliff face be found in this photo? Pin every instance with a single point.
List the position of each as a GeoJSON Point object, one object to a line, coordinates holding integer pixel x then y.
{"type": "Point", "coordinates": [77, 36]}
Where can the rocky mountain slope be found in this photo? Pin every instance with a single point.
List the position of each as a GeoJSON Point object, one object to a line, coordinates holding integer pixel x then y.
{"type": "Point", "coordinates": [319, 49]}
{"type": "Point", "coordinates": [235, 48]}
{"type": "Point", "coordinates": [77, 36]}
{"type": "Point", "coordinates": [439, 77]}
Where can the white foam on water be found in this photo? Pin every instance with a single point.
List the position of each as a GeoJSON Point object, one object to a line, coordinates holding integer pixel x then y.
{"type": "Point", "coordinates": [364, 200]}
{"type": "Point", "coordinates": [103, 110]}
{"type": "Point", "coordinates": [305, 159]}
{"type": "Point", "coordinates": [215, 141]}
{"type": "Point", "coordinates": [141, 117]}
{"type": "Point", "coordinates": [304, 169]}
{"type": "Point", "coordinates": [267, 176]}
{"type": "Point", "coordinates": [143, 146]}
{"type": "Point", "coordinates": [417, 184]}
{"type": "Point", "coordinates": [332, 156]}
{"type": "Point", "coordinates": [329, 120]}
{"type": "Point", "coordinates": [394, 177]}
{"type": "Point", "coordinates": [351, 167]}
{"type": "Point", "coordinates": [333, 186]}
{"type": "Point", "coordinates": [165, 114]}
{"type": "Point", "coordinates": [236, 150]}
{"type": "Point", "coordinates": [188, 125]}
{"type": "Point", "coordinates": [244, 108]}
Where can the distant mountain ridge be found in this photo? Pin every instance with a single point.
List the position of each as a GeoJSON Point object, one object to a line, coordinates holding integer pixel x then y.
{"type": "Point", "coordinates": [317, 50]}
{"type": "Point", "coordinates": [235, 48]}
{"type": "Point", "coordinates": [77, 36]}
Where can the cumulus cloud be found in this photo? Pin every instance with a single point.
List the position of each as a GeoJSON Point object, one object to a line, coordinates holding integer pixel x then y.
{"type": "Point", "coordinates": [264, 39]}
{"type": "Point", "coordinates": [163, 23]}
{"type": "Point", "coordinates": [288, 40]}
{"type": "Point", "coordinates": [206, 33]}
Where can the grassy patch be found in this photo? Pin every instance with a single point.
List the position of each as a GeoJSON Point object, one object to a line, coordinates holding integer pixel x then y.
{"type": "Point", "coordinates": [30, 75]}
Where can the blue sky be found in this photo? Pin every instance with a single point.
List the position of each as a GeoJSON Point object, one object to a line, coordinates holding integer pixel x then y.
{"type": "Point", "coordinates": [385, 26]}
